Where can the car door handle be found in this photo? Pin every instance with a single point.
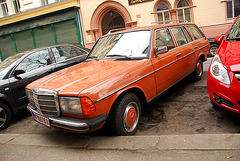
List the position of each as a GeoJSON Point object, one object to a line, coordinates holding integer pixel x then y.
{"type": "Point", "coordinates": [196, 47]}
{"type": "Point", "coordinates": [179, 55]}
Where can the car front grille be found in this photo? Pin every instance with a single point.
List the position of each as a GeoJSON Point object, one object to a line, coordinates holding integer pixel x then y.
{"type": "Point", "coordinates": [46, 101]}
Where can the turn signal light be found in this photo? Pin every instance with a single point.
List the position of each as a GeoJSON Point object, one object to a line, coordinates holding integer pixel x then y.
{"type": "Point", "coordinates": [87, 106]}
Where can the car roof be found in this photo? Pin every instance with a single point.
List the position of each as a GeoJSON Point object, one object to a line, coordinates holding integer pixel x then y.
{"type": "Point", "coordinates": [45, 47]}
{"type": "Point", "coordinates": [149, 27]}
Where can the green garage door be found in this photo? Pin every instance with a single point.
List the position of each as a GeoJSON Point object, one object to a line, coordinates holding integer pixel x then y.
{"type": "Point", "coordinates": [24, 41]}
{"type": "Point", "coordinates": [66, 32]}
{"type": "Point", "coordinates": [7, 46]}
{"type": "Point", "coordinates": [44, 36]}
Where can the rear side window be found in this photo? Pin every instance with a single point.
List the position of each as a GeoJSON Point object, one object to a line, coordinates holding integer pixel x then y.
{"type": "Point", "coordinates": [179, 35]}
{"type": "Point", "coordinates": [195, 32]}
{"type": "Point", "coordinates": [63, 53]}
{"type": "Point", "coordinates": [163, 37]}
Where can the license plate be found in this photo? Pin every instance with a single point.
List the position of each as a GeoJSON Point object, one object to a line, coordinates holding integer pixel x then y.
{"type": "Point", "coordinates": [41, 119]}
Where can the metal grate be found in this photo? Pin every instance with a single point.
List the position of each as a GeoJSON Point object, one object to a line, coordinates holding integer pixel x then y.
{"type": "Point", "coordinates": [46, 101]}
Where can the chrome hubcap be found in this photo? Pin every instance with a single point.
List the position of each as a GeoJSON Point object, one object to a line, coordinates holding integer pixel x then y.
{"type": "Point", "coordinates": [3, 117]}
{"type": "Point", "coordinates": [213, 50]}
{"type": "Point", "coordinates": [199, 69]}
{"type": "Point", "coordinates": [131, 116]}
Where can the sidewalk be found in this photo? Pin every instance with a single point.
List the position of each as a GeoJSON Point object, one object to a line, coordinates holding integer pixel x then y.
{"type": "Point", "coordinates": [78, 147]}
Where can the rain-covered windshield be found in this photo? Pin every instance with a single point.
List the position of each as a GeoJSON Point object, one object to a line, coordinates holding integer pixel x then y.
{"type": "Point", "coordinates": [234, 33]}
{"type": "Point", "coordinates": [6, 65]}
{"type": "Point", "coordinates": [129, 44]}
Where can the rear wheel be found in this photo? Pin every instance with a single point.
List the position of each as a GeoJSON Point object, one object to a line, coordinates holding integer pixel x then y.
{"type": "Point", "coordinates": [198, 72]}
{"type": "Point", "coordinates": [125, 115]}
{"type": "Point", "coordinates": [5, 116]}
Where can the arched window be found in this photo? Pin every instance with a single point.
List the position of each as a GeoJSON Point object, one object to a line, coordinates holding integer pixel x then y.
{"type": "Point", "coordinates": [183, 11]}
{"type": "Point", "coordinates": [163, 13]}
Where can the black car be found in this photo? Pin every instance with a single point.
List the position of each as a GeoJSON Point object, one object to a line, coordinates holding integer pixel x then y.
{"type": "Point", "coordinates": [20, 69]}
{"type": "Point", "coordinates": [213, 46]}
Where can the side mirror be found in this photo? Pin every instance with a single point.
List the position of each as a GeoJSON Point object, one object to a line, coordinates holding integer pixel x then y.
{"type": "Point", "coordinates": [160, 50]}
{"type": "Point", "coordinates": [219, 39]}
{"type": "Point", "coordinates": [16, 73]}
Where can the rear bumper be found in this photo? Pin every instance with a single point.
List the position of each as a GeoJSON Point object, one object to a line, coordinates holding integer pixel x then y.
{"type": "Point", "coordinates": [71, 124]}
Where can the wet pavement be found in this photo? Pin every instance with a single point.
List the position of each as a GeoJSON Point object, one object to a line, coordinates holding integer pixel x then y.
{"type": "Point", "coordinates": [184, 109]}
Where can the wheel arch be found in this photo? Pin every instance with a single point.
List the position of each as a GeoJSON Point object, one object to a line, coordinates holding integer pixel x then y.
{"type": "Point", "coordinates": [135, 90]}
{"type": "Point", "coordinates": [2, 100]}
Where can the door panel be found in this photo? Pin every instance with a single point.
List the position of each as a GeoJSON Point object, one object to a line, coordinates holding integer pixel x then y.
{"type": "Point", "coordinates": [186, 47]}
{"type": "Point", "coordinates": [167, 66]}
{"type": "Point", "coordinates": [36, 65]}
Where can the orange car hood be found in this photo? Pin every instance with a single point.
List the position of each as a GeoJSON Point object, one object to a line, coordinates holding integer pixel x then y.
{"type": "Point", "coordinates": [71, 81]}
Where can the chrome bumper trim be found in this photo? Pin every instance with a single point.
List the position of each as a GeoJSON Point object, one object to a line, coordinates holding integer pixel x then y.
{"type": "Point", "coordinates": [71, 124]}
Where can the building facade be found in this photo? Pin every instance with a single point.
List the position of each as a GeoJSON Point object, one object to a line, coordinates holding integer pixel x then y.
{"type": "Point", "coordinates": [212, 16]}
{"type": "Point", "coordinates": [50, 24]}
{"type": "Point", "coordinates": [26, 24]}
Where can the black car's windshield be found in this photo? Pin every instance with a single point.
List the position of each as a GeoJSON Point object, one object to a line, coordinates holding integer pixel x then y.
{"type": "Point", "coordinates": [6, 65]}
{"type": "Point", "coordinates": [129, 44]}
{"type": "Point", "coordinates": [234, 32]}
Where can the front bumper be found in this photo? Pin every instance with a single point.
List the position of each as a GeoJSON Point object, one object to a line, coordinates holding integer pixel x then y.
{"type": "Point", "coordinates": [71, 124]}
{"type": "Point", "coordinates": [225, 96]}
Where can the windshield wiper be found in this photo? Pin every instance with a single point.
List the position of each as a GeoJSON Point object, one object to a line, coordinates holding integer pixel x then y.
{"type": "Point", "coordinates": [92, 57]}
{"type": "Point", "coordinates": [116, 55]}
{"type": "Point", "coordinates": [234, 39]}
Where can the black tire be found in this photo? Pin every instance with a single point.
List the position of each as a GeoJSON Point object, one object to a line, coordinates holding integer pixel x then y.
{"type": "Point", "coordinates": [125, 115]}
{"type": "Point", "coordinates": [213, 49]}
{"type": "Point", "coordinates": [5, 116]}
{"type": "Point", "coordinates": [196, 75]}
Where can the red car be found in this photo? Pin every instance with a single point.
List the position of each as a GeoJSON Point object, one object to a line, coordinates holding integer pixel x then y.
{"type": "Point", "coordinates": [224, 72]}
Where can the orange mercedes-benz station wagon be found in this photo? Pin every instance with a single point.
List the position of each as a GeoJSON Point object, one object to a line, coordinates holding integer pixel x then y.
{"type": "Point", "coordinates": [123, 72]}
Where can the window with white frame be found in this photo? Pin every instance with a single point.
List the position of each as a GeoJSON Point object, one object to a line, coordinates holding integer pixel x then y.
{"type": "Point", "coordinates": [183, 11]}
{"type": "Point", "coordinates": [233, 8]}
{"type": "Point", "coordinates": [163, 13]}
{"type": "Point", "coordinates": [44, 2]}
{"type": "Point", "coordinates": [16, 5]}
{"type": "Point", "coordinates": [3, 8]}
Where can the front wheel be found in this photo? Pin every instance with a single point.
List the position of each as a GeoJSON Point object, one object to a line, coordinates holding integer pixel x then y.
{"type": "Point", "coordinates": [125, 115]}
{"type": "Point", "coordinates": [213, 49]}
{"type": "Point", "coordinates": [5, 116]}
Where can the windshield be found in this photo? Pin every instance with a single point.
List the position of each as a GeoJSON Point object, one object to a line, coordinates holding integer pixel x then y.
{"type": "Point", "coordinates": [234, 32]}
{"type": "Point", "coordinates": [6, 65]}
{"type": "Point", "coordinates": [129, 44]}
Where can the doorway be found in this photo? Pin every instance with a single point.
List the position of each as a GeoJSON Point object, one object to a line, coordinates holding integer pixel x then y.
{"type": "Point", "coordinates": [111, 21]}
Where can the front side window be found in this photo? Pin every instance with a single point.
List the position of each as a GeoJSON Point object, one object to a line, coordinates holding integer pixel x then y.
{"type": "Point", "coordinates": [183, 11]}
{"type": "Point", "coordinates": [3, 8]}
{"type": "Point", "coordinates": [179, 35]}
{"type": "Point", "coordinates": [63, 53]}
{"type": "Point", "coordinates": [233, 8]}
{"type": "Point", "coordinates": [195, 32]}
{"type": "Point", "coordinates": [163, 37]}
{"type": "Point", "coordinates": [34, 61]}
{"type": "Point", "coordinates": [163, 13]}
{"type": "Point", "coordinates": [129, 44]}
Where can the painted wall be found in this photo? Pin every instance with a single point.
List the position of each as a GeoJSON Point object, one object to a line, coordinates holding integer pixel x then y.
{"type": "Point", "coordinates": [209, 15]}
